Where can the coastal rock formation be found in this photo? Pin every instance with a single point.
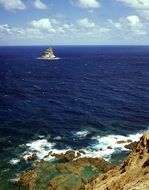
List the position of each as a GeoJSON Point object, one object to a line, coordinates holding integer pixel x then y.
{"type": "Point", "coordinates": [64, 173]}
{"type": "Point", "coordinates": [73, 172]}
{"type": "Point", "coordinates": [132, 174]}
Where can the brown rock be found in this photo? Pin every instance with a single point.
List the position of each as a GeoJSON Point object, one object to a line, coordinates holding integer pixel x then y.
{"type": "Point", "coordinates": [121, 142]}
{"type": "Point", "coordinates": [132, 174]}
{"type": "Point", "coordinates": [146, 163]}
{"type": "Point", "coordinates": [131, 146]}
{"type": "Point", "coordinates": [28, 179]}
{"type": "Point", "coordinates": [49, 154]}
{"type": "Point", "coordinates": [78, 155]}
{"type": "Point", "coordinates": [129, 141]}
{"type": "Point", "coordinates": [69, 155]}
{"type": "Point", "coordinates": [101, 164]}
{"type": "Point", "coordinates": [30, 156]}
{"type": "Point", "coordinates": [84, 181]}
{"type": "Point", "coordinates": [58, 156]}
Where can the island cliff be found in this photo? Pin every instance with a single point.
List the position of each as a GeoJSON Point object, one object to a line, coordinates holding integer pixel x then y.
{"type": "Point", "coordinates": [48, 54]}
{"type": "Point", "coordinates": [132, 174]}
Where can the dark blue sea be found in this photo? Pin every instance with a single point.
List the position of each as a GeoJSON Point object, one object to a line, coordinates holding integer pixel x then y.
{"type": "Point", "coordinates": [89, 98]}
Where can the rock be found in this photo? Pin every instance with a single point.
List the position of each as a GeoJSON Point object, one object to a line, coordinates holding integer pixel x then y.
{"type": "Point", "coordinates": [69, 155]}
{"type": "Point", "coordinates": [28, 179]}
{"type": "Point", "coordinates": [58, 156]}
{"type": "Point", "coordinates": [52, 186]}
{"type": "Point", "coordinates": [78, 155]}
{"type": "Point", "coordinates": [82, 151]}
{"type": "Point", "coordinates": [146, 163]}
{"type": "Point", "coordinates": [84, 181]}
{"type": "Point", "coordinates": [101, 164]}
{"type": "Point", "coordinates": [121, 142]}
{"type": "Point", "coordinates": [131, 146]}
{"type": "Point", "coordinates": [132, 174]}
{"type": "Point", "coordinates": [49, 154]}
{"type": "Point", "coordinates": [30, 156]}
{"type": "Point", "coordinates": [109, 147]}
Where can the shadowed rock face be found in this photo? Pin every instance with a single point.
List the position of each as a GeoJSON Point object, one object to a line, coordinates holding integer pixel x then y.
{"type": "Point", "coordinates": [68, 171]}
{"type": "Point", "coordinates": [131, 146]}
{"type": "Point", "coordinates": [131, 174]}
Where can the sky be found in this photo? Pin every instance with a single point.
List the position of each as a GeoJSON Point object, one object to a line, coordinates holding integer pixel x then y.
{"type": "Point", "coordinates": [74, 22]}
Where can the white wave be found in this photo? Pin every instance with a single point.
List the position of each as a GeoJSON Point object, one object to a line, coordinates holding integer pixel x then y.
{"type": "Point", "coordinates": [42, 147]}
{"type": "Point", "coordinates": [81, 134]}
{"type": "Point", "coordinates": [58, 138]}
{"type": "Point", "coordinates": [52, 58]}
{"type": "Point", "coordinates": [14, 180]}
{"type": "Point", "coordinates": [107, 145]}
{"type": "Point", "coordinates": [14, 161]}
{"type": "Point", "coordinates": [104, 146]}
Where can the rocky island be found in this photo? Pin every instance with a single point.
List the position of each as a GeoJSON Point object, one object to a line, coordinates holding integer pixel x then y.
{"type": "Point", "coordinates": [48, 54]}
{"type": "Point", "coordinates": [71, 171]}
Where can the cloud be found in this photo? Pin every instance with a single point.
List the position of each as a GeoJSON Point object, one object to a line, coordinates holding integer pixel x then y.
{"type": "Point", "coordinates": [86, 23]}
{"type": "Point", "coordinates": [12, 4]}
{"type": "Point", "coordinates": [140, 6]}
{"type": "Point", "coordinates": [135, 25]}
{"type": "Point", "coordinates": [129, 26]}
{"type": "Point", "coordinates": [87, 4]}
{"type": "Point", "coordinates": [43, 24]}
{"type": "Point", "coordinates": [144, 14]}
{"type": "Point", "coordinates": [127, 29]}
{"type": "Point", "coordinates": [136, 4]}
{"type": "Point", "coordinates": [46, 28]}
{"type": "Point", "coordinates": [39, 4]}
{"type": "Point", "coordinates": [134, 20]}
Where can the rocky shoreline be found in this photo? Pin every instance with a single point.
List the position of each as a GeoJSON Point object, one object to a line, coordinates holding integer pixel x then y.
{"type": "Point", "coordinates": [132, 174]}
{"type": "Point", "coordinates": [73, 171]}
{"type": "Point", "coordinates": [66, 167]}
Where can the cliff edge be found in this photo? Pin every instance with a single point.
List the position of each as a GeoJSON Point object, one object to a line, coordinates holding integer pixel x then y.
{"type": "Point", "coordinates": [132, 174]}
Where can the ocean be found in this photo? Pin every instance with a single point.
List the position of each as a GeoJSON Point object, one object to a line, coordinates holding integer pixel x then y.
{"type": "Point", "coordinates": [89, 98]}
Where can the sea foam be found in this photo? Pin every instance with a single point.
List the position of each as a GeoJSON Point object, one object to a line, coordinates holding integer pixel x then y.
{"type": "Point", "coordinates": [42, 147]}
{"type": "Point", "coordinates": [14, 161]}
{"type": "Point", "coordinates": [81, 134]}
{"type": "Point", "coordinates": [104, 146]}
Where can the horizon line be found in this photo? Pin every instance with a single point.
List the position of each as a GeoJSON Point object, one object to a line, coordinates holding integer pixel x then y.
{"type": "Point", "coordinates": [78, 45]}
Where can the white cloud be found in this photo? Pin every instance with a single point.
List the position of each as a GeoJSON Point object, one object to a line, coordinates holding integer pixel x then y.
{"type": "Point", "coordinates": [130, 25]}
{"type": "Point", "coordinates": [136, 4]}
{"type": "Point", "coordinates": [12, 4]}
{"type": "Point", "coordinates": [140, 6]}
{"type": "Point", "coordinates": [86, 23]}
{"type": "Point", "coordinates": [135, 25]}
{"type": "Point", "coordinates": [125, 29]}
{"type": "Point", "coordinates": [40, 5]}
{"type": "Point", "coordinates": [144, 14]}
{"type": "Point", "coordinates": [43, 24]}
{"type": "Point", "coordinates": [87, 4]}
{"type": "Point", "coordinates": [51, 29]}
{"type": "Point", "coordinates": [134, 20]}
